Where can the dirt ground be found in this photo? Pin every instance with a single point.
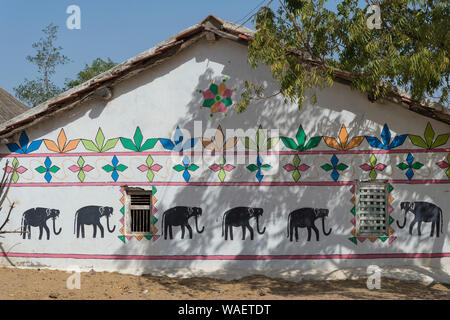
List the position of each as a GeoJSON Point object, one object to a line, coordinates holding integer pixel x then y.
{"type": "Point", "coordinates": [20, 284]}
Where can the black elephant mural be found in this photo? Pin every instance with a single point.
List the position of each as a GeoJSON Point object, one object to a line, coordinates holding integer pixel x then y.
{"type": "Point", "coordinates": [240, 217]}
{"type": "Point", "coordinates": [179, 216]}
{"type": "Point", "coordinates": [305, 218]}
{"type": "Point", "coordinates": [37, 217]}
{"type": "Point", "coordinates": [423, 212]}
{"type": "Point", "coordinates": [91, 215]}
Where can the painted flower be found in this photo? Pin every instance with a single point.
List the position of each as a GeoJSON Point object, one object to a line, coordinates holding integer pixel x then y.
{"type": "Point", "coordinates": [150, 167]}
{"type": "Point", "coordinates": [343, 144]}
{"type": "Point", "coordinates": [260, 143]}
{"type": "Point", "coordinates": [218, 143]}
{"type": "Point", "coordinates": [177, 143]}
{"type": "Point", "coordinates": [24, 146]}
{"type": "Point", "coordinates": [48, 169]}
{"type": "Point", "coordinates": [445, 165]}
{"type": "Point", "coordinates": [137, 143]}
{"type": "Point", "coordinates": [386, 138]}
{"type": "Point", "coordinates": [217, 98]}
{"type": "Point", "coordinates": [17, 172]}
{"type": "Point", "coordinates": [259, 167]}
{"type": "Point", "coordinates": [295, 168]}
{"type": "Point", "coordinates": [222, 168]}
{"type": "Point", "coordinates": [99, 145]}
{"type": "Point", "coordinates": [81, 168]}
{"type": "Point", "coordinates": [301, 144]}
{"type": "Point", "coordinates": [115, 168]}
{"type": "Point", "coordinates": [429, 142]}
{"type": "Point", "coordinates": [186, 167]}
{"type": "Point", "coordinates": [373, 167]}
{"type": "Point", "coordinates": [410, 166]}
{"type": "Point", "coordinates": [334, 167]}
{"type": "Point", "coordinates": [61, 145]}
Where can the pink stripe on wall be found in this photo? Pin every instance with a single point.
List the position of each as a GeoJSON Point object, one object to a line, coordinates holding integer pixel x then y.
{"type": "Point", "coordinates": [231, 257]}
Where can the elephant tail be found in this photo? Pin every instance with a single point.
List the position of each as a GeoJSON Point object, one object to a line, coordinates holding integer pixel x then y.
{"type": "Point", "coordinates": [22, 226]}
{"type": "Point", "coordinates": [75, 222]}
{"type": "Point", "coordinates": [442, 221]}
{"type": "Point", "coordinates": [288, 223]}
{"type": "Point", "coordinates": [162, 223]}
{"type": "Point", "coordinates": [223, 220]}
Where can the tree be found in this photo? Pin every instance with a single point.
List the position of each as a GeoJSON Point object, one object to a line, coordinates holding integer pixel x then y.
{"type": "Point", "coordinates": [47, 58]}
{"type": "Point", "coordinates": [305, 44]}
{"type": "Point", "coordinates": [5, 184]}
{"type": "Point", "coordinates": [97, 67]}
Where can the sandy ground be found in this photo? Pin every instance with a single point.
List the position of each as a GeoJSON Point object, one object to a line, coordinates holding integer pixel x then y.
{"type": "Point", "coordinates": [20, 284]}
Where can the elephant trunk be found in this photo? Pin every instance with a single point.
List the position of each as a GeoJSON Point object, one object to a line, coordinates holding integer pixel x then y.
{"type": "Point", "coordinates": [404, 222]}
{"type": "Point", "coordinates": [54, 227]}
{"type": "Point", "coordinates": [257, 226]}
{"type": "Point", "coordinates": [196, 226]}
{"type": "Point", "coordinates": [323, 227]}
{"type": "Point", "coordinates": [107, 225]}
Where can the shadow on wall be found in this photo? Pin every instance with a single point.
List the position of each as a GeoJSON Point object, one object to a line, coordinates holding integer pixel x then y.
{"type": "Point", "coordinates": [277, 202]}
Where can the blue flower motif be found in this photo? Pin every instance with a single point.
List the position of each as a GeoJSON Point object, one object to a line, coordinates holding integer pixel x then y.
{"type": "Point", "coordinates": [410, 166]}
{"type": "Point", "coordinates": [386, 137]}
{"type": "Point", "coordinates": [23, 147]}
{"type": "Point", "coordinates": [115, 168]}
{"type": "Point", "coordinates": [259, 167]}
{"type": "Point", "coordinates": [186, 167]}
{"type": "Point", "coordinates": [335, 167]}
{"type": "Point", "coordinates": [177, 143]}
{"type": "Point", "coordinates": [48, 169]}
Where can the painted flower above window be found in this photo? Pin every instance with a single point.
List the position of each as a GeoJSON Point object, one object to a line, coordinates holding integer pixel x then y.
{"type": "Point", "coordinates": [334, 167]}
{"type": "Point", "coordinates": [62, 145]}
{"type": "Point", "coordinates": [217, 98]}
{"type": "Point", "coordinates": [47, 169]}
{"type": "Point", "coordinates": [150, 167]}
{"type": "Point", "coordinates": [343, 144]}
{"type": "Point", "coordinates": [24, 146]}
{"type": "Point", "coordinates": [218, 143]}
{"type": "Point", "coordinates": [295, 168]}
{"type": "Point", "coordinates": [115, 168]}
{"type": "Point", "coordinates": [17, 172]}
{"type": "Point", "coordinates": [137, 145]}
{"type": "Point", "coordinates": [386, 138]}
{"type": "Point", "coordinates": [445, 165]}
{"type": "Point", "coordinates": [259, 167]}
{"type": "Point", "coordinates": [81, 168]}
{"type": "Point", "coordinates": [186, 167]}
{"type": "Point", "coordinates": [429, 142]}
{"type": "Point", "coordinates": [410, 166]}
{"type": "Point", "coordinates": [301, 138]}
{"type": "Point", "coordinates": [222, 168]}
{"type": "Point", "coordinates": [99, 145]}
{"type": "Point", "coordinates": [373, 167]}
{"type": "Point", "coordinates": [177, 143]}
{"type": "Point", "coordinates": [261, 143]}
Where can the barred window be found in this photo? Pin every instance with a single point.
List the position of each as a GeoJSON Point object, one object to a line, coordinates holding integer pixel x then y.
{"type": "Point", "coordinates": [138, 218]}
{"type": "Point", "coordinates": [372, 208]}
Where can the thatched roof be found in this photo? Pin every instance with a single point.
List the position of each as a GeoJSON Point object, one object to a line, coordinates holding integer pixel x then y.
{"type": "Point", "coordinates": [9, 106]}
{"type": "Point", "coordinates": [210, 28]}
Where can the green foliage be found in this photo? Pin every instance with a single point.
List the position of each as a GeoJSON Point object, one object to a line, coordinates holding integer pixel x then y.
{"type": "Point", "coordinates": [97, 67]}
{"type": "Point", "coordinates": [305, 44]}
{"type": "Point", "coordinates": [47, 58]}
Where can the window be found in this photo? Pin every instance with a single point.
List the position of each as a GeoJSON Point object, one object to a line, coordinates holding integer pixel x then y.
{"type": "Point", "coordinates": [138, 217]}
{"type": "Point", "coordinates": [372, 208]}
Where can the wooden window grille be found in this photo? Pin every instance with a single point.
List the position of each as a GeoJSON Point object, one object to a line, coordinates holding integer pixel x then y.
{"type": "Point", "coordinates": [139, 219]}
{"type": "Point", "coordinates": [372, 208]}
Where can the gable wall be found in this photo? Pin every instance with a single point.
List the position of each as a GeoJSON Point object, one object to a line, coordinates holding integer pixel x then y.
{"type": "Point", "coordinates": [159, 100]}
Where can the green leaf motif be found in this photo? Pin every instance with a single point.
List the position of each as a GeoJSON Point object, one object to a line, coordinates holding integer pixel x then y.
{"type": "Point", "coordinates": [373, 174]}
{"type": "Point", "coordinates": [301, 136]}
{"type": "Point", "coordinates": [81, 175]}
{"type": "Point", "coordinates": [249, 144]}
{"type": "Point", "coordinates": [193, 167]}
{"type": "Point", "coordinates": [403, 166]}
{"type": "Point", "coordinates": [138, 138]}
{"type": "Point", "coordinates": [429, 134]}
{"type": "Point", "coordinates": [54, 169]}
{"type": "Point", "coordinates": [341, 166]}
{"type": "Point", "coordinates": [108, 168]}
{"type": "Point", "coordinates": [296, 161]}
{"type": "Point", "coordinates": [272, 142]}
{"type": "Point", "coordinates": [296, 175]}
{"type": "Point", "coordinates": [266, 166]}
{"type": "Point", "coordinates": [150, 175]}
{"type": "Point", "coordinates": [100, 139]}
{"type": "Point", "coordinates": [121, 168]}
{"type": "Point", "coordinates": [289, 143]}
{"type": "Point", "coordinates": [179, 168]}
{"type": "Point", "coordinates": [128, 144]}
{"type": "Point", "coordinates": [149, 144]}
{"type": "Point", "coordinates": [440, 140]}
{"type": "Point", "coordinates": [252, 167]}
{"type": "Point", "coordinates": [89, 145]}
{"type": "Point", "coordinates": [80, 162]}
{"type": "Point", "coordinates": [41, 169]}
{"type": "Point", "coordinates": [312, 143]}
{"type": "Point", "coordinates": [373, 160]}
{"type": "Point", "coordinates": [15, 176]}
{"type": "Point", "coordinates": [327, 167]}
{"type": "Point", "coordinates": [222, 175]}
{"type": "Point", "coordinates": [111, 143]}
{"type": "Point", "coordinates": [417, 165]}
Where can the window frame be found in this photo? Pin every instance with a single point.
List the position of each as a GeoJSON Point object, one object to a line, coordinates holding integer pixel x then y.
{"type": "Point", "coordinates": [129, 192]}
{"type": "Point", "coordinates": [365, 184]}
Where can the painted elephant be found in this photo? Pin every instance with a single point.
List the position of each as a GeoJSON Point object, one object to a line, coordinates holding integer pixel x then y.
{"type": "Point", "coordinates": [239, 217]}
{"type": "Point", "coordinates": [37, 217]}
{"type": "Point", "coordinates": [423, 212]}
{"type": "Point", "coordinates": [91, 215]}
{"type": "Point", "coordinates": [179, 216]}
{"type": "Point", "coordinates": [305, 218]}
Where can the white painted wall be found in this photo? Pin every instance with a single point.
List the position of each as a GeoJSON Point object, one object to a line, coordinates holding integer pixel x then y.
{"type": "Point", "coordinates": [165, 97]}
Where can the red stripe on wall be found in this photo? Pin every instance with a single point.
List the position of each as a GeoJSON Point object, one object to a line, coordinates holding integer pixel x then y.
{"type": "Point", "coordinates": [231, 257]}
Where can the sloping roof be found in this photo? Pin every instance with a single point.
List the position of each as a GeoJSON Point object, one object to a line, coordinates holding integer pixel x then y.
{"type": "Point", "coordinates": [9, 106]}
{"type": "Point", "coordinates": [210, 28]}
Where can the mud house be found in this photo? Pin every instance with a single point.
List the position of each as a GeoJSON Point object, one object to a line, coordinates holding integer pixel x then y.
{"type": "Point", "coordinates": [149, 168]}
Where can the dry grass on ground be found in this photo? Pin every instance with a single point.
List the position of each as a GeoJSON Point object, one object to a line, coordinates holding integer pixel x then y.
{"type": "Point", "coordinates": [19, 284]}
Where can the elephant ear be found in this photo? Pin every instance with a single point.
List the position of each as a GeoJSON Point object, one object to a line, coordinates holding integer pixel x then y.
{"type": "Point", "coordinates": [412, 206]}
{"type": "Point", "coordinates": [190, 210]}
{"type": "Point", "coordinates": [47, 211]}
{"type": "Point", "coordinates": [252, 211]}
{"type": "Point", "coordinates": [101, 209]}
